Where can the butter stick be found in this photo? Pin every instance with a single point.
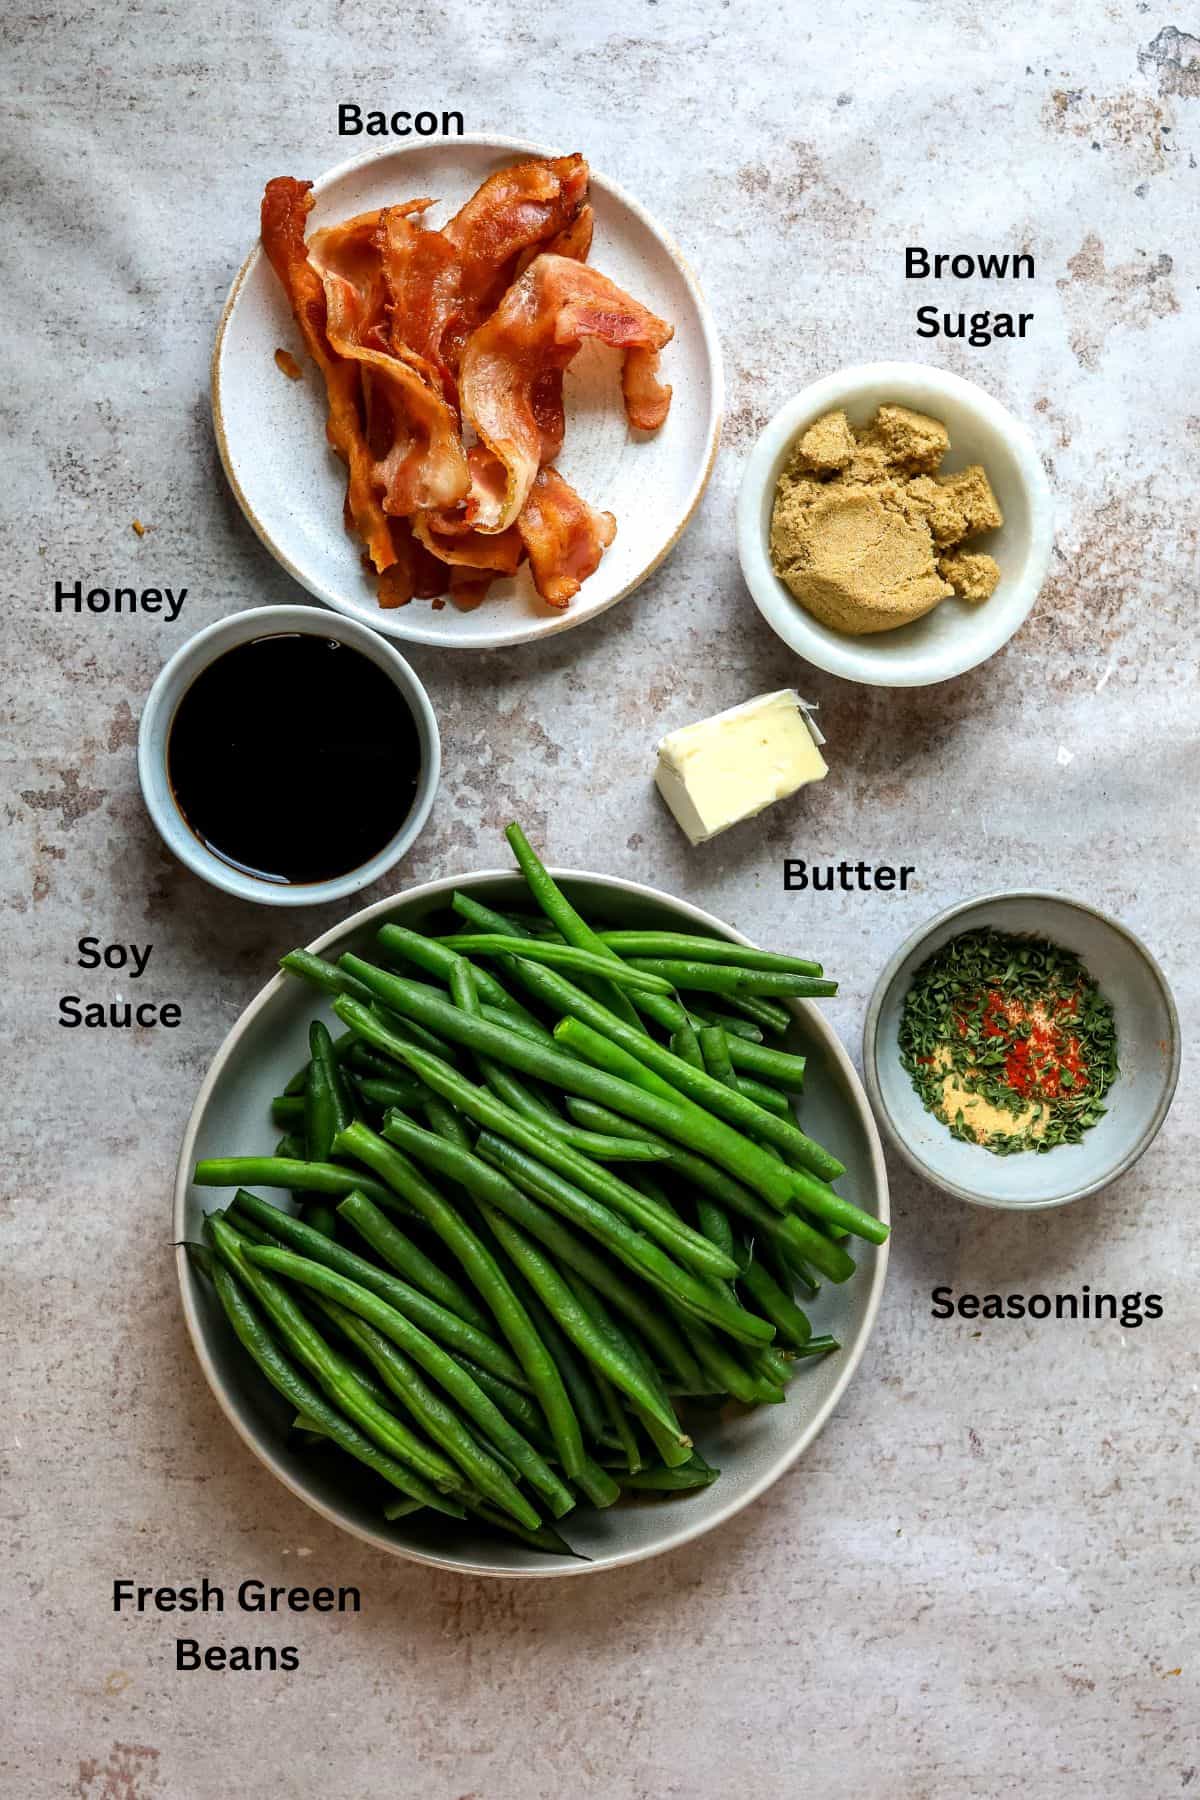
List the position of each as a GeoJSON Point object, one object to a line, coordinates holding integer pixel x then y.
{"type": "Point", "coordinates": [728, 768]}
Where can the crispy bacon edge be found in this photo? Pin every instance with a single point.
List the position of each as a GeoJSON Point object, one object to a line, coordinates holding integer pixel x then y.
{"type": "Point", "coordinates": [286, 205]}
{"type": "Point", "coordinates": [538, 327]}
{"type": "Point", "coordinates": [564, 537]}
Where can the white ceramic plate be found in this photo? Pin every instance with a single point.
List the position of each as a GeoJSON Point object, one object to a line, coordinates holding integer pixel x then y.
{"type": "Point", "coordinates": [1137, 1102]}
{"type": "Point", "coordinates": [956, 635]}
{"type": "Point", "coordinates": [231, 1117]}
{"type": "Point", "coordinates": [271, 430]}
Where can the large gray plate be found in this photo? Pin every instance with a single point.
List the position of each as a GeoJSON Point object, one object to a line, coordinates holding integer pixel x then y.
{"type": "Point", "coordinates": [231, 1117]}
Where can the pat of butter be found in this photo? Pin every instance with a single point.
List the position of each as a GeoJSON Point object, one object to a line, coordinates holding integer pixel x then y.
{"type": "Point", "coordinates": [727, 768]}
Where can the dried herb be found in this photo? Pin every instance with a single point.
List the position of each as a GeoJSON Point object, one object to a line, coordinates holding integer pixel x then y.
{"type": "Point", "coordinates": [1017, 1022]}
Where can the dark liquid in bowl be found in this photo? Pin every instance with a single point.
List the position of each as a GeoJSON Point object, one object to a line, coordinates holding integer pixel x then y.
{"type": "Point", "coordinates": [294, 758]}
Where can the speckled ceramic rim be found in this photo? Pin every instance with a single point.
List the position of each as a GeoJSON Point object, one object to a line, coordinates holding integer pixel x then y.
{"type": "Point", "coordinates": [850, 657]}
{"type": "Point", "coordinates": [871, 1051]}
{"type": "Point", "coordinates": [199, 653]}
{"type": "Point", "coordinates": [411, 630]}
{"type": "Point", "coordinates": [684, 1532]}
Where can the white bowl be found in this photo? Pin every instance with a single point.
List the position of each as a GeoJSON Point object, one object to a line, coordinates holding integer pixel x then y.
{"type": "Point", "coordinates": [177, 676]}
{"type": "Point", "coordinates": [232, 1115]}
{"type": "Point", "coordinates": [956, 635]}
{"type": "Point", "coordinates": [271, 431]}
{"type": "Point", "coordinates": [1137, 1102]}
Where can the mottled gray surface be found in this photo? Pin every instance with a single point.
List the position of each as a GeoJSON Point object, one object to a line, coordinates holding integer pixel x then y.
{"type": "Point", "coordinates": [982, 1578]}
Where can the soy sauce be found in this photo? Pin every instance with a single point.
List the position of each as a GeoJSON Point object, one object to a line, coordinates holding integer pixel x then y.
{"type": "Point", "coordinates": [293, 758]}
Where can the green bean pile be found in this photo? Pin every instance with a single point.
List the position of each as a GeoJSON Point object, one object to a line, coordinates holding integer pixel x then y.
{"type": "Point", "coordinates": [471, 1301]}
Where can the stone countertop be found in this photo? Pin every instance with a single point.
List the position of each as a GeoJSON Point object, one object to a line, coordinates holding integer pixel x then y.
{"type": "Point", "coordinates": [981, 1578]}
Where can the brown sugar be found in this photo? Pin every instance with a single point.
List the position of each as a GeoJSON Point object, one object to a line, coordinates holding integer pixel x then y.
{"type": "Point", "coordinates": [864, 530]}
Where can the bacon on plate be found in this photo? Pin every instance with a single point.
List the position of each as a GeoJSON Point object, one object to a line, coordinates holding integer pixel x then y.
{"type": "Point", "coordinates": [539, 326]}
{"type": "Point", "coordinates": [443, 353]}
{"type": "Point", "coordinates": [564, 537]}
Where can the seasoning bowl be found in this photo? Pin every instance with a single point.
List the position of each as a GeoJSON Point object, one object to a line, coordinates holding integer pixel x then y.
{"type": "Point", "coordinates": [957, 635]}
{"type": "Point", "coordinates": [232, 1114]}
{"type": "Point", "coordinates": [1137, 1102]}
{"type": "Point", "coordinates": [173, 682]}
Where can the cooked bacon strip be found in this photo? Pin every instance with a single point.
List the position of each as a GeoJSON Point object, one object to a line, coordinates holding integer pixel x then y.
{"type": "Point", "coordinates": [285, 209]}
{"type": "Point", "coordinates": [420, 270]}
{"type": "Point", "coordinates": [564, 536]}
{"type": "Point", "coordinates": [647, 399]}
{"type": "Point", "coordinates": [501, 553]}
{"type": "Point", "coordinates": [415, 575]}
{"type": "Point", "coordinates": [469, 587]}
{"type": "Point", "coordinates": [419, 460]}
{"type": "Point", "coordinates": [516, 210]}
{"type": "Point", "coordinates": [443, 284]}
{"type": "Point", "coordinates": [539, 325]}
{"type": "Point", "coordinates": [575, 241]}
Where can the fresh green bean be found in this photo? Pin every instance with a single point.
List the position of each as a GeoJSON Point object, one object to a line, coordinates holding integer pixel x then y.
{"type": "Point", "coordinates": [706, 1015]}
{"type": "Point", "coordinates": [768, 1015]}
{"type": "Point", "coordinates": [291, 1145]}
{"type": "Point", "coordinates": [286, 1172]}
{"type": "Point", "coordinates": [245, 1226]}
{"type": "Point", "coordinates": [481, 1267]}
{"type": "Point", "coordinates": [779, 1066]}
{"type": "Point", "coordinates": [686, 1045]}
{"type": "Point", "coordinates": [537, 1184]}
{"type": "Point", "coordinates": [776, 1304]}
{"type": "Point", "coordinates": [619, 1420]}
{"type": "Point", "coordinates": [438, 959]}
{"type": "Point", "coordinates": [483, 1181]}
{"type": "Point", "coordinates": [677, 1118]}
{"type": "Point", "coordinates": [332, 980]}
{"type": "Point", "coordinates": [819, 1346]}
{"type": "Point", "coordinates": [341, 1047]}
{"type": "Point", "coordinates": [670, 1481]}
{"type": "Point", "coordinates": [578, 1377]}
{"type": "Point", "coordinates": [704, 949]}
{"type": "Point", "coordinates": [514, 1092]}
{"type": "Point", "coordinates": [327, 1105]}
{"type": "Point", "coordinates": [287, 1109]}
{"type": "Point", "coordinates": [397, 1090]}
{"type": "Point", "coordinates": [443, 1120]}
{"type": "Point", "coordinates": [728, 1375]}
{"type": "Point", "coordinates": [573, 1319]}
{"type": "Point", "coordinates": [719, 978]}
{"type": "Point", "coordinates": [438, 1419]}
{"type": "Point", "coordinates": [725, 1146]}
{"type": "Point", "coordinates": [565, 956]}
{"type": "Point", "coordinates": [545, 1538]}
{"type": "Point", "coordinates": [518, 1408]}
{"type": "Point", "coordinates": [668, 1443]}
{"type": "Point", "coordinates": [362, 1060]}
{"type": "Point", "coordinates": [794, 1233]}
{"type": "Point", "coordinates": [714, 1054]}
{"type": "Point", "coordinates": [258, 1343]}
{"type": "Point", "coordinates": [550, 899]}
{"type": "Point", "coordinates": [320, 1216]}
{"type": "Point", "coordinates": [601, 1186]}
{"type": "Point", "coordinates": [400, 1509]}
{"type": "Point", "coordinates": [399, 1252]}
{"type": "Point", "coordinates": [331, 1370]}
{"type": "Point", "coordinates": [321, 974]}
{"type": "Point", "coordinates": [691, 1084]}
{"type": "Point", "coordinates": [769, 1098]}
{"type": "Point", "coordinates": [486, 918]}
{"type": "Point", "coordinates": [439, 1321]}
{"type": "Point", "coordinates": [530, 1028]}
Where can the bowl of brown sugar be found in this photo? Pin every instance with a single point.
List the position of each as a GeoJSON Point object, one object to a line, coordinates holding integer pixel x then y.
{"type": "Point", "coordinates": [895, 524]}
